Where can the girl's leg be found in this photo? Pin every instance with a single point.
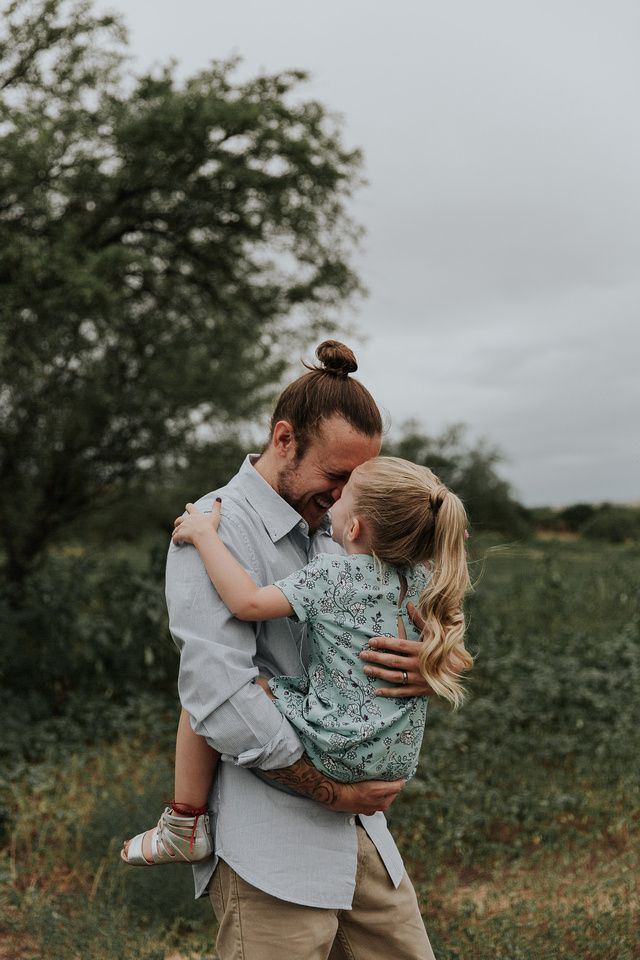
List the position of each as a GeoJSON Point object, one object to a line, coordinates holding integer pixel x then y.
{"type": "Point", "coordinates": [196, 763]}
{"type": "Point", "coordinates": [195, 766]}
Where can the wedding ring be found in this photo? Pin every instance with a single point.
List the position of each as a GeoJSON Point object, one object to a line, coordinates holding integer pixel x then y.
{"type": "Point", "coordinates": [405, 678]}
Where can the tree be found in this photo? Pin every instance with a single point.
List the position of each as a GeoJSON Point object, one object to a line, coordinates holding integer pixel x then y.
{"type": "Point", "coordinates": [470, 471]}
{"type": "Point", "coordinates": [164, 247]}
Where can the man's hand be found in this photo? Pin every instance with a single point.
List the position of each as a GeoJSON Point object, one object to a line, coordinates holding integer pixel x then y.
{"type": "Point", "coordinates": [365, 797]}
{"type": "Point", "coordinates": [396, 660]}
{"type": "Point", "coordinates": [264, 683]}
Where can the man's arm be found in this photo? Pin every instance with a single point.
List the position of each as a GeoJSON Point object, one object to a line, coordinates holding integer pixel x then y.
{"type": "Point", "coordinates": [365, 797]}
{"type": "Point", "coordinates": [217, 664]}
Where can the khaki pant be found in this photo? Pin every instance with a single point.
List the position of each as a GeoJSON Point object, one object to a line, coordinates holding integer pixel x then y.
{"type": "Point", "coordinates": [383, 924]}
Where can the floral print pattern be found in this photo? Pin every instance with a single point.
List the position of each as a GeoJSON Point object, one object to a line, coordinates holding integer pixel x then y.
{"type": "Point", "coordinates": [347, 730]}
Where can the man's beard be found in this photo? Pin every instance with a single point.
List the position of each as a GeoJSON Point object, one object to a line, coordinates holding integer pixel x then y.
{"type": "Point", "coordinates": [286, 487]}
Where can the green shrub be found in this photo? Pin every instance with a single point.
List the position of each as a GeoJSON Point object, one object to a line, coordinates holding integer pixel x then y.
{"type": "Point", "coordinates": [615, 524]}
{"type": "Point", "coordinates": [86, 624]}
{"type": "Point", "coordinates": [575, 516]}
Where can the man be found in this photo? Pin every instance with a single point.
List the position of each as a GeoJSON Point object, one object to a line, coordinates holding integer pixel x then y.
{"type": "Point", "coordinates": [302, 863]}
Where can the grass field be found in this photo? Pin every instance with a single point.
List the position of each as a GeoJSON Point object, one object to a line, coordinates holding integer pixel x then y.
{"type": "Point", "coordinates": [520, 831]}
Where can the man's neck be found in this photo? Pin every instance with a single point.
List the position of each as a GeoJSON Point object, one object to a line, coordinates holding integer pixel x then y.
{"type": "Point", "coordinates": [266, 468]}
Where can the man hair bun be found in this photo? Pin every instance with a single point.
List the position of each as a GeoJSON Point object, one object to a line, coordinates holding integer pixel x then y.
{"type": "Point", "coordinates": [336, 358]}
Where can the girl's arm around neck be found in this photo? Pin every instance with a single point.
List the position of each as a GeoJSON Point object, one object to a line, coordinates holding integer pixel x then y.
{"type": "Point", "coordinates": [244, 598]}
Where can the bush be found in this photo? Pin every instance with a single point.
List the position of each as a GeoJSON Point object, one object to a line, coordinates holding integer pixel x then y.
{"type": "Point", "coordinates": [86, 624]}
{"type": "Point", "coordinates": [615, 524]}
{"type": "Point", "coordinates": [575, 516]}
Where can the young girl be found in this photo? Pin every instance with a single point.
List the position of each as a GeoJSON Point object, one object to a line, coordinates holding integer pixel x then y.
{"type": "Point", "coordinates": [404, 535]}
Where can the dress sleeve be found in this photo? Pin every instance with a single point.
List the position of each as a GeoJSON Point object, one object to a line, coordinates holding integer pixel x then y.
{"type": "Point", "coordinates": [305, 588]}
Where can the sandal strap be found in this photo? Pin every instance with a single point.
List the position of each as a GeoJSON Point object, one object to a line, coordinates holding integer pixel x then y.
{"type": "Point", "coordinates": [134, 851]}
{"type": "Point", "coordinates": [183, 810]}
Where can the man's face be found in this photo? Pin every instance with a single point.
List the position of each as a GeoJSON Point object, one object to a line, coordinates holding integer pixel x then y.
{"type": "Point", "coordinates": [312, 484]}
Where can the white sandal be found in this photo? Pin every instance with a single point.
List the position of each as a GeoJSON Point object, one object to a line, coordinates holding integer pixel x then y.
{"type": "Point", "coordinates": [176, 839]}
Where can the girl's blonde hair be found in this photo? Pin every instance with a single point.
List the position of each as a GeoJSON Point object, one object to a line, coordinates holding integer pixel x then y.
{"type": "Point", "coordinates": [411, 518]}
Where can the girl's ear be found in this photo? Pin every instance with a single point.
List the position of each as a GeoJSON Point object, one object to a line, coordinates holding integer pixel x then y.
{"type": "Point", "coordinates": [355, 529]}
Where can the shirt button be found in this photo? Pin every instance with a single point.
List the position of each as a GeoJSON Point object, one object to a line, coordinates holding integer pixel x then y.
{"type": "Point", "coordinates": [352, 821]}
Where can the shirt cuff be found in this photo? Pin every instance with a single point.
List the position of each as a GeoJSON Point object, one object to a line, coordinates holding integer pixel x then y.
{"type": "Point", "coordinates": [281, 751]}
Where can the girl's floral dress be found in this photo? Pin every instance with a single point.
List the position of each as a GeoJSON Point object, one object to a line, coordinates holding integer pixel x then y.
{"type": "Point", "coordinates": [346, 730]}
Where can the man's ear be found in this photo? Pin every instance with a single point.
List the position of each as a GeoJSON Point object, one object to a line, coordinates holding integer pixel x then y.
{"type": "Point", "coordinates": [283, 439]}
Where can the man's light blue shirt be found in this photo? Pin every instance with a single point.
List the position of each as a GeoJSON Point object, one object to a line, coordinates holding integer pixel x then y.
{"type": "Point", "coordinates": [285, 844]}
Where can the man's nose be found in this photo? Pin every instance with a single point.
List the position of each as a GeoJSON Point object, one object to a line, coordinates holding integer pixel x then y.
{"type": "Point", "coordinates": [336, 492]}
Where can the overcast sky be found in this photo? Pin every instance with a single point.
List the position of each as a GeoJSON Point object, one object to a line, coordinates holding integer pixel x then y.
{"type": "Point", "coordinates": [502, 150]}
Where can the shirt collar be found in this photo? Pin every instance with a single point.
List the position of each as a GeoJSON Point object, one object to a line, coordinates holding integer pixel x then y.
{"type": "Point", "coordinates": [278, 516]}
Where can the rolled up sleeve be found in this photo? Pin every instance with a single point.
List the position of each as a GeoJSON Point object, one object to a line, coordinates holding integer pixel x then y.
{"type": "Point", "coordinates": [217, 667]}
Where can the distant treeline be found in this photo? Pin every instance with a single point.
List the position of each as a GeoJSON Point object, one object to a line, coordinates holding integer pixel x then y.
{"type": "Point", "coordinates": [614, 523]}
{"type": "Point", "coordinates": [472, 470]}
{"type": "Point", "coordinates": [145, 511]}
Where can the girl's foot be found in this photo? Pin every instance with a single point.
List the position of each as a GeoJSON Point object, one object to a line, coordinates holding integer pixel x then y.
{"type": "Point", "coordinates": [182, 836]}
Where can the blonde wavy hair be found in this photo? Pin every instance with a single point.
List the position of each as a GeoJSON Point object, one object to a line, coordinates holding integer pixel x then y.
{"type": "Point", "coordinates": [410, 517]}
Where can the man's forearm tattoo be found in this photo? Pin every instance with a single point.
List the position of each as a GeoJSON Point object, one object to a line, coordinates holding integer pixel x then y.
{"type": "Point", "coordinates": [304, 778]}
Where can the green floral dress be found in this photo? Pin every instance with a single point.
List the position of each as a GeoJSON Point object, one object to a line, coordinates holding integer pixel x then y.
{"type": "Point", "coordinates": [347, 730]}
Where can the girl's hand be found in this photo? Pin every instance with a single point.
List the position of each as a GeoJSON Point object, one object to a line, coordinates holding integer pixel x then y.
{"type": "Point", "coordinates": [188, 529]}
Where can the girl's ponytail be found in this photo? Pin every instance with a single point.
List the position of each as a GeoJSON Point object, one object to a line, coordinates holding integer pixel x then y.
{"type": "Point", "coordinates": [443, 656]}
{"type": "Point", "coordinates": [412, 518]}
